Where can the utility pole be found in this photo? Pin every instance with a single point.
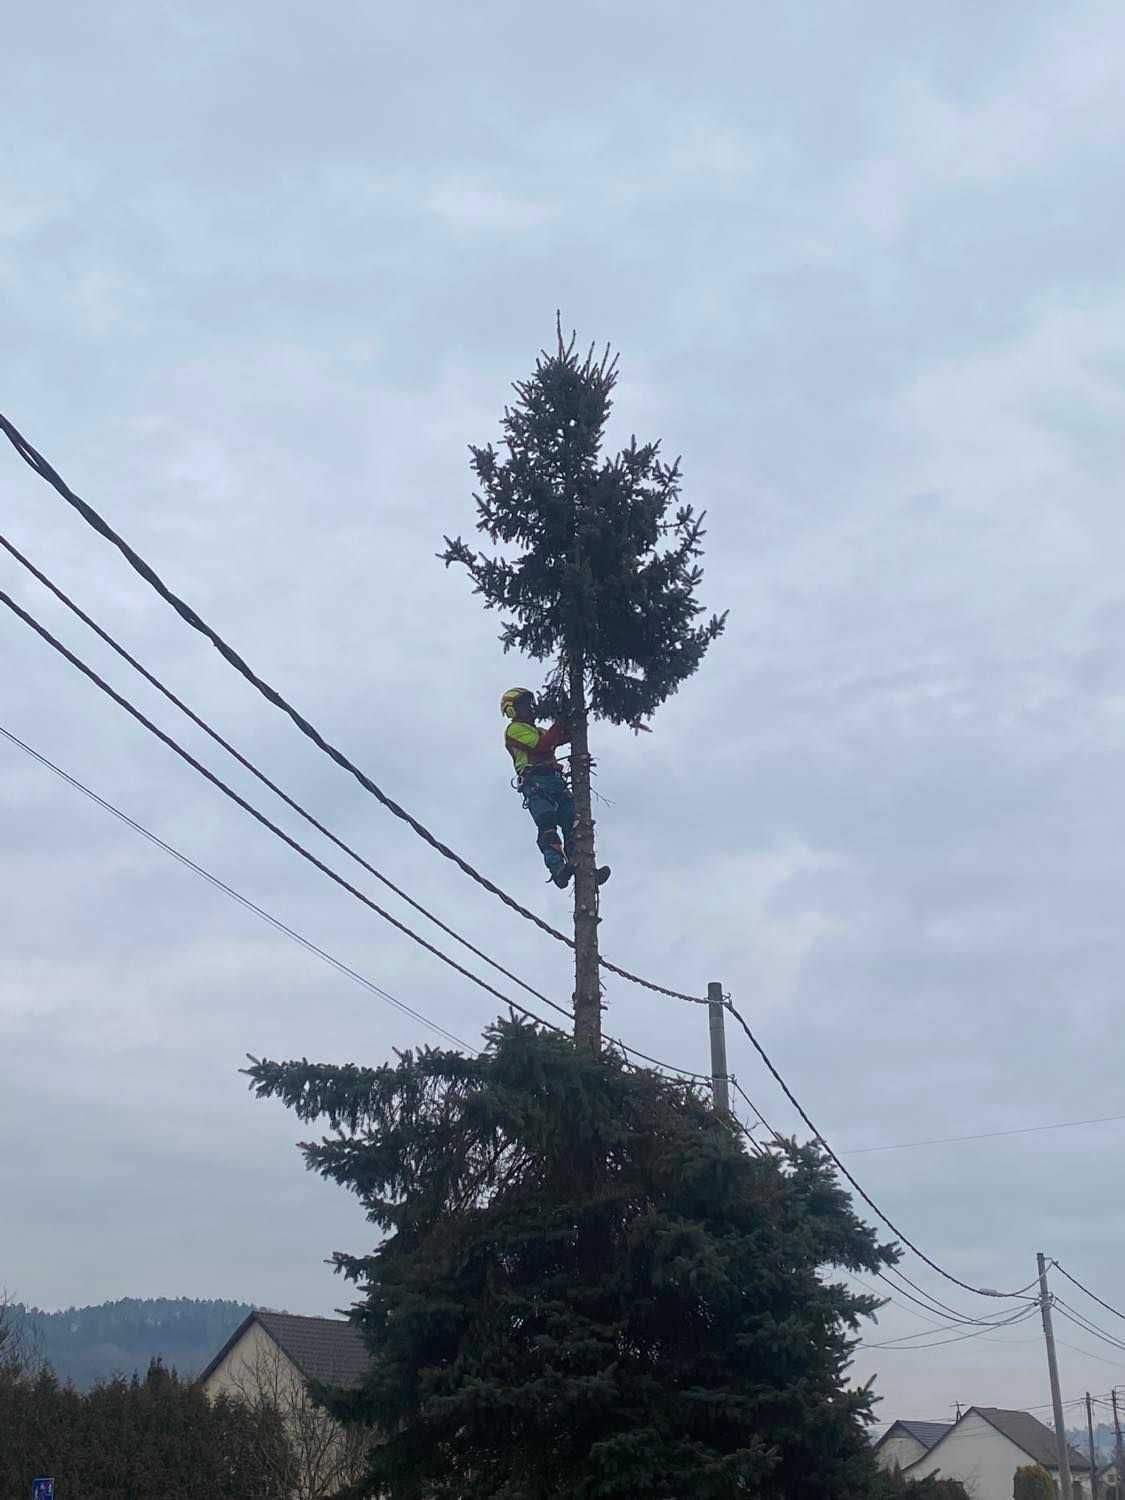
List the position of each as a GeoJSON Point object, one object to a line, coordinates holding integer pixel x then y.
{"type": "Point", "coordinates": [1053, 1372]}
{"type": "Point", "coordinates": [719, 1088]}
{"type": "Point", "coordinates": [1117, 1455]}
{"type": "Point", "coordinates": [1093, 1450]}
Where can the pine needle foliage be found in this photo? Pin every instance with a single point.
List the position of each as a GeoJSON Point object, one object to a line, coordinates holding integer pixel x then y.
{"type": "Point", "coordinates": [660, 1328]}
{"type": "Point", "coordinates": [601, 559]}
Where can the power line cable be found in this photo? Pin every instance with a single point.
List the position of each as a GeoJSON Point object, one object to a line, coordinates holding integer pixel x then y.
{"type": "Point", "coordinates": [229, 890]}
{"type": "Point", "coordinates": [254, 770]}
{"type": "Point", "coordinates": [1042, 1406]}
{"type": "Point", "coordinates": [938, 1305]}
{"type": "Point", "coordinates": [927, 1305]}
{"type": "Point", "coordinates": [1114, 1364]}
{"type": "Point", "coordinates": [985, 1135]}
{"type": "Point", "coordinates": [276, 921]}
{"type": "Point", "coordinates": [1072, 1315]}
{"type": "Point", "coordinates": [43, 468]}
{"type": "Point", "coordinates": [36, 461]}
{"type": "Point", "coordinates": [745, 1130]}
{"type": "Point", "coordinates": [260, 817]}
{"type": "Point", "coordinates": [746, 1099]}
{"type": "Point", "coordinates": [1083, 1322]}
{"type": "Point", "coordinates": [887, 1300]}
{"type": "Point", "coordinates": [795, 1102]}
{"type": "Point", "coordinates": [1083, 1288]}
{"type": "Point", "coordinates": [1018, 1316]}
{"type": "Point", "coordinates": [701, 1078]}
{"type": "Point", "coordinates": [927, 1315]}
{"type": "Point", "coordinates": [960, 1338]}
{"type": "Point", "coordinates": [929, 1299]}
{"type": "Point", "coordinates": [934, 1302]}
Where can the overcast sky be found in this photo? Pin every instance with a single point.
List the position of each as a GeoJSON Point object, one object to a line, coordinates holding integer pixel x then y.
{"type": "Point", "coordinates": [265, 271]}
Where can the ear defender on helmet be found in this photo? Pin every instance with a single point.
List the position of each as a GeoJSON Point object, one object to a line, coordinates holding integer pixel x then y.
{"type": "Point", "coordinates": [511, 698]}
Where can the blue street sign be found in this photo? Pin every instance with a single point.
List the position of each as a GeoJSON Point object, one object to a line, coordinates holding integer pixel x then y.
{"type": "Point", "coordinates": [42, 1489]}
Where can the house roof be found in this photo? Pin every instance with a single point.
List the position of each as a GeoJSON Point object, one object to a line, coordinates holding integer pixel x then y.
{"type": "Point", "coordinates": [328, 1350]}
{"type": "Point", "coordinates": [1028, 1433]}
{"type": "Point", "coordinates": [926, 1433]}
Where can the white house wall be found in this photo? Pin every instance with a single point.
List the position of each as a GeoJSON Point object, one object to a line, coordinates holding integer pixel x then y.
{"type": "Point", "coordinates": [984, 1460]}
{"type": "Point", "coordinates": [899, 1451]}
{"type": "Point", "coordinates": [237, 1374]}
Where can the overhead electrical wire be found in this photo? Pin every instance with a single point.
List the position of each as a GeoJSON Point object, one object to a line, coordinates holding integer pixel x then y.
{"type": "Point", "coordinates": [891, 1225]}
{"type": "Point", "coordinates": [918, 1301]}
{"type": "Point", "coordinates": [1083, 1288]}
{"type": "Point", "coordinates": [1018, 1315]}
{"type": "Point", "coordinates": [1042, 1406]}
{"type": "Point", "coordinates": [700, 1078]}
{"type": "Point", "coordinates": [44, 469]}
{"type": "Point", "coordinates": [935, 1322]}
{"type": "Point", "coordinates": [1114, 1364]}
{"type": "Point", "coordinates": [924, 1298]}
{"type": "Point", "coordinates": [985, 1135]}
{"type": "Point", "coordinates": [1072, 1315]}
{"type": "Point", "coordinates": [284, 927]}
{"type": "Point", "coordinates": [746, 1131]}
{"type": "Point", "coordinates": [943, 1307]}
{"type": "Point", "coordinates": [931, 1304]}
{"type": "Point", "coordinates": [746, 1099]}
{"type": "Point", "coordinates": [898, 1347]}
{"type": "Point", "coordinates": [254, 770]}
{"type": "Point", "coordinates": [885, 1299]}
{"type": "Point", "coordinates": [934, 1304]}
{"type": "Point", "coordinates": [229, 890]}
{"type": "Point", "coordinates": [260, 817]}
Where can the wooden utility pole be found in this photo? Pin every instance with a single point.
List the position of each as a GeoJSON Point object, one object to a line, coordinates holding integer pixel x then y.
{"type": "Point", "coordinates": [719, 1077]}
{"type": "Point", "coordinates": [587, 982]}
{"type": "Point", "coordinates": [1117, 1453]}
{"type": "Point", "coordinates": [1061, 1446]}
{"type": "Point", "coordinates": [1093, 1450]}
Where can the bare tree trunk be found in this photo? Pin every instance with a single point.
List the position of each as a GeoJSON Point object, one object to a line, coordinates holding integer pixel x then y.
{"type": "Point", "coordinates": [587, 985]}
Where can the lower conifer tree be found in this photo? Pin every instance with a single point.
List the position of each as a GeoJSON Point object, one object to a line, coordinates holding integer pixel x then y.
{"type": "Point", "coordinates": [587, 1286]}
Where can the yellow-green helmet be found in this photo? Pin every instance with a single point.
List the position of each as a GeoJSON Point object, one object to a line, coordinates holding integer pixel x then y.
{"type": "Point", "coordinates": [511, 698]}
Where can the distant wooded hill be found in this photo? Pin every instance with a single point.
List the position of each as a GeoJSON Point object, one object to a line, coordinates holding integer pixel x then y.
{"type": "Point", "coordinates": [87, 1344]}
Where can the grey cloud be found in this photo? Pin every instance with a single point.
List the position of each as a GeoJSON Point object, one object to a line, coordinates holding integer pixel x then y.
{"type": "Point", "coordinates": [262, 278]}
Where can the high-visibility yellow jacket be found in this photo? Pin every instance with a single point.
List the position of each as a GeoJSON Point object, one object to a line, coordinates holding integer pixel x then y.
{"type": "Point", "coordinates": [532, 748]}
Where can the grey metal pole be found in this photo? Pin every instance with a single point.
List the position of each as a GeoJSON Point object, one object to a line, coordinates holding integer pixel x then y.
{"type": "Point", "coordinates": [1118, 1454]}
{"type": "Point", "coordinates": [719, 1088]}
{"type": "Point", "coordinates": [1093, 1450]}
{"type": "Point", "coordinates": [1053, 1372]}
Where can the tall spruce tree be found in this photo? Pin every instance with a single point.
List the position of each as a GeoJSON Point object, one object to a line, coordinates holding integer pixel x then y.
{"type": "Point", "coordinates": [599, 581]}
{"type": "Point", "coordinates": [662, 1330]}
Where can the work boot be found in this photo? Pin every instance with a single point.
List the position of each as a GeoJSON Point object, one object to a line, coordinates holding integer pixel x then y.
{"type": "Point", "coordinates": [562, 875]}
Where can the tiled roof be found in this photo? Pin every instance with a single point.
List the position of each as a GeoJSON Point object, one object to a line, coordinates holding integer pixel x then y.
{"type": "Point", "coordinates": [1028, 1433]}
{"type": "Point", "coordinates": [324, 1349]}
{"type": "Point", "coordinates": [927, 1433]}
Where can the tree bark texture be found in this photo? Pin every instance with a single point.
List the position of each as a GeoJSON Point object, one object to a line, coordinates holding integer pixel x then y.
{"type": "Point", "coordinates": [587, 984]}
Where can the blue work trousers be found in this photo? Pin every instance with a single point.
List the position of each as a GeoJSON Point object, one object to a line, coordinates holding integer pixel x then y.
{"type": "Point", "coordinates": [547, 798]}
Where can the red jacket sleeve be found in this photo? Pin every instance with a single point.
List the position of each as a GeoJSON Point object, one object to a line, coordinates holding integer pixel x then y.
{"type": "Point", "coordinates": [551, 739]}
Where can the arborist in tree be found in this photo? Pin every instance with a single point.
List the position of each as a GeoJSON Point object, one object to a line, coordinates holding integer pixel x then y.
{"type": "Point", "coordinates": [540, 779]}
